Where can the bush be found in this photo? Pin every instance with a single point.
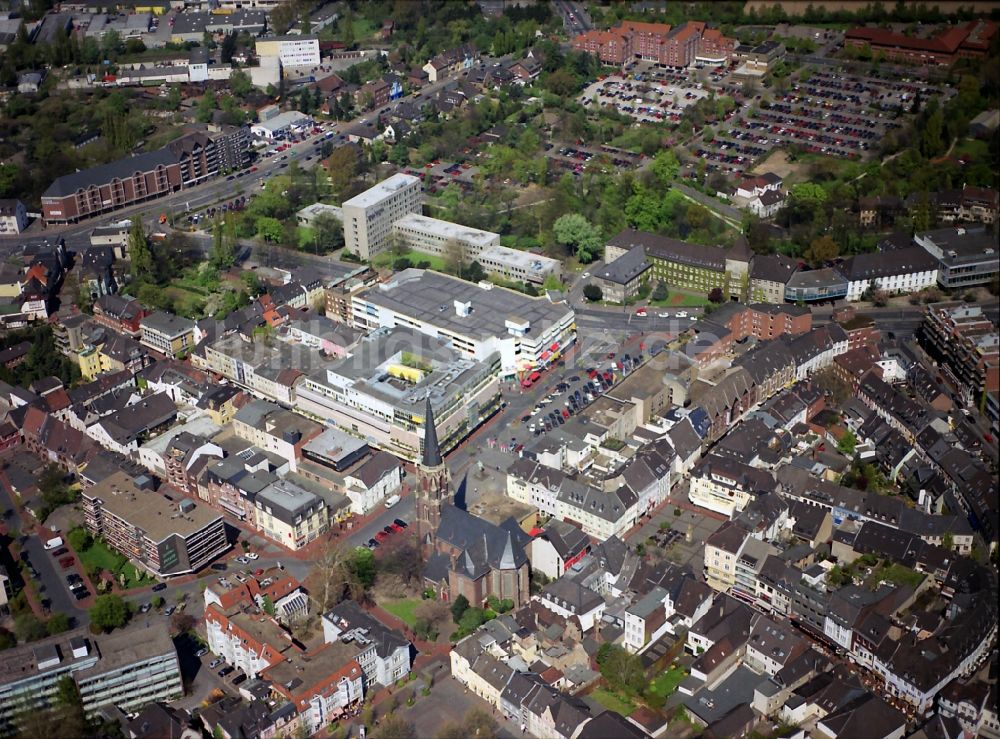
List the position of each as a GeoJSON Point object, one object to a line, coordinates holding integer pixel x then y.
{"type": "Point", "coordinates": [593, 293]}
{"type": "Point", "coordinates": [80, 539]}
{"type": "Point", "coordinates": [108, 612]}
{"type": "Point", "coordinates": [459, 607]}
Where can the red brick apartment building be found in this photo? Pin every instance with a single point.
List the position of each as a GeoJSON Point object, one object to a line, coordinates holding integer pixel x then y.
{"type": "Point", "coordinates": [182, 163]}
{"type": "Point", "coordinates": [969, 40]}
{"type": "Point", "coordinates": [657, 42]}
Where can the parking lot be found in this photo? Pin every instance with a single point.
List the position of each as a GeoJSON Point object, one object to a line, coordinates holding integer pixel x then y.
{"type": "Point", "coordinates": [648, 96]}
{"type": "Point", "coordinates": [830, 113]}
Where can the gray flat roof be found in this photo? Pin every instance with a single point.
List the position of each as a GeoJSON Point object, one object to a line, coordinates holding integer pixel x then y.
{"type": "Point", "coordinates": [429, 297]}
{"type": "Point", "coordinates": [382, 190]}
{"type": "Point", "coordinates": [447, 229]}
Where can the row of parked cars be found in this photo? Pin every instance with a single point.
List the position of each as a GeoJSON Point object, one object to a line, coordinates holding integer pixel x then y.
{"type": "Point", "coordinates": [396, 526]}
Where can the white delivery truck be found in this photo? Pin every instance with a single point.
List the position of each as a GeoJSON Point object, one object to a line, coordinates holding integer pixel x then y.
{"type": "Point", "coordinates": [54, 542]}
{"type": "Point", "coordinates": [391, 501]}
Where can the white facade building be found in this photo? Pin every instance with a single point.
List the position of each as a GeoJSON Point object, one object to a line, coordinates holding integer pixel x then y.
{"type": "Point", "coordinates": [369, 217]}
{"type": "Point", "coordinates": [291, 51]}
{"type": "Point", "coordinates": [13, 217]}
{"type": "Point", "coordinates": [907, 270]}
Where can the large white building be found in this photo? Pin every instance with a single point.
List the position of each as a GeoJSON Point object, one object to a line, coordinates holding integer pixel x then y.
{"type": "Point", "coordinates": [453, 240]}
{"type": "Point", "coordinates": [291, 51]}
{"type": "Point", "coordinates": [280, 125]}
{"type": "Point", "coordinates": [369, 217]}
{"type": "Point", "coordinates": [906, 270]}
{"type": "Point", "coordinates": [478, 320]}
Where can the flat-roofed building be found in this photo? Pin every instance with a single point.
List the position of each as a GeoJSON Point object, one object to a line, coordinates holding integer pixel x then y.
{"type": "Point", "coordinates": [129, 668]}
{"type": "Point", "coordinates": [966, 256]}
{"type": "Point", "coordinates": [479, 320]}
{"type": "Point", "coordinates": [369, 218]}
{"type": "Point", "coordinates": [379, 393]}
{"type": "Point", "coordinates": [166, 333]}
{"type": "Point", "coordinates": [443, 238]}
{"type": "Point", "coordinates": [519, 266]}
{"type": "Point", "coordinates": [162, 536]}
{"type": "Point", "coordinates": [966, 343]}
{"type": "Point", "coordinates": [291, 51]}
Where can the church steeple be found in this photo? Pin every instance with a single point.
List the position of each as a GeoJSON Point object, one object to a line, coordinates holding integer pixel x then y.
{"type": "Point", "coordinates": [432, 452]}
{"type": "Point", "coordinates": [433, 484]}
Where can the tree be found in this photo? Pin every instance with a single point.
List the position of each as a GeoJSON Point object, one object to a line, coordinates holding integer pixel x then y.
{"type": "Point", "coordinates": [821, 250]}
{"type": "Point", "coordinates": [948, 540]}
{"type": "Point", "coordinates": [847, 443]}
{"type": "Point", "coordinates": [139, 253]}
{"type": "Point", "coordinates": [342, 166]}
{"type": "Point", "coordinates": [830, 383]}
{"type": "Point", "coordinates": [576, 232]}
{"type": "Point", "coordinates": [362, 566]}
{"type": "Point", "coordinates": [252, 283]}
{"type": "Point", "coordinates": [715, 295]}
{"type": "Point", "coordinates": [270, 229]}
{"type": "Point", "coordinates": [57, 624]}
{"type": "Point", "coordinates": [282, 17]}
{"type": "Point", "coordinates": [223, 253]}
{"type": "Point", "coordinates": [28, 627]}
{"type": "Point", "coordinates": [328, 233]}
{"type": "Point", "coordinates": [431, 618]}
{"type": "Point", "coordinates": [453, 252]}
{"type": "Point", "coordinates": [459, 607]}
{"type": "Point", "coordinates": [622, 670]}
{"type": "Point", "coordinates": [108, 612]}
{"type": "Point", "coordinates": [54, 490]}
{"type": "Point", "coordinates": [665, 166]}
{"type": "Point", "coordinates": [660, 293]}
{"type": "Point", "coordinates": [593, 293]}
{"type": "Point", "coordinates": [393, 726]}
{"type": "Point", "coordinates": [7, 639]}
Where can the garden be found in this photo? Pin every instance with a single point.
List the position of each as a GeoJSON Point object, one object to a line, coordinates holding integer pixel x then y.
{"type": "Point", "coordinates": [97, 558]}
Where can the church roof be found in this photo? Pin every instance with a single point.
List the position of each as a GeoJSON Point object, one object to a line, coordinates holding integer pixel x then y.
{"type": "Point", "coordinates": [484, 546]}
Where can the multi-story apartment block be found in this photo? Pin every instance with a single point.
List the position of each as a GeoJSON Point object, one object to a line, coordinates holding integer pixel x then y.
{"type": "Point", "coordinates": [322, 686]}
{"type": "Point", "coordinates": [611, 47]}
{"type": "Point", "coordinates": [369, 218]}
{"type": "Point", "coordinates": [120, 313]}
{"type": "Point", "coordinates": [166, 333]}
{"type": "Point", "coordinates": [161, 536]}
{"type": "Point", "coordinates": [967, 344]}
{"type": "Point", "coordinates": [106, 187]}
{"type": "Point", "coordinates": [128, 669]}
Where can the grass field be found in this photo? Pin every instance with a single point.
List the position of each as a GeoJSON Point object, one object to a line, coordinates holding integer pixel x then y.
{"type": "Point", "coordinates": [186, 303]}
{"type": "Point", "coordinates": [895, 573]}
{"type": "Point", "coordinates": [385, 260]}
{"type": "Point", "coordinates": [667, 683]}
{"type": "Point", "coordinates": [613, 701]}
{"type": "Point", "coordinates": [403, 609]}
{"type": "Point", "coordinates": [681, 300]}
{"type": "Point", "coordinates": [99, 555]}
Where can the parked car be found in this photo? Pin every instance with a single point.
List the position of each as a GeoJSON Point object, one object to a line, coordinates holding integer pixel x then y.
{"type": "Point", "coordinates": [159, 586]}
{"type": "Point", "coordinates": [66, 562]}
{"type": "Point", "coordinates": [227, 670]}
{"type": "Point", "coordinates": [201, 652]}
{"type": "Point", "coordinates": [372, 544]}
{"type": "Point", "coordinates": [215, 663]}
{"type": "Point", "coordinates": [219, 566]}
{"type": "Point", "coordinates": [242, 560]}
{"type": "Point", "coordinates": [144, 608]}
{"type": "Point", "coordinates": [169, 610]}
{"type": "Point", "coordinates": [252, 555]}
{"type": "Point", "coordinates": [60, 552]}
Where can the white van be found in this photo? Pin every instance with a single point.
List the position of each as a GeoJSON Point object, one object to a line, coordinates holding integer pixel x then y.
{"type": "Point", "coordinates": [54, 543]}
{"type": "Point", "coordinates": [391, 501]}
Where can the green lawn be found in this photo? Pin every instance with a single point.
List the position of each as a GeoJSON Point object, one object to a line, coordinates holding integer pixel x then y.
{"type": "Point", "coordinates": [187, 303]}
{"type": "Point", "coordinates": [613, 701]}
{"type": "Point", "coordinates": [385, 259]}
{"type": "Point", "coordinates": [680, 299]}
{"type": "Point", "coordinates": [403, 609]}
{"type": "Point", "coordinates": [972, 148]}
{"type": "Point", "coordinates": [99, 555]}
{"type": "Point", "coordinates": [667, 683]}
{"type": "Point", "coordinates": [895, 573]}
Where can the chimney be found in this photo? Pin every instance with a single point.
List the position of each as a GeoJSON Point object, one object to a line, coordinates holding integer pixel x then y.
{"type": "Point", "coordinates": [463, 308]}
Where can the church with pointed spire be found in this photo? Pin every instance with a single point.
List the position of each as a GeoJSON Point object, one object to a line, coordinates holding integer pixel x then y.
{"type": "Point", "coordinates": [464, 554]}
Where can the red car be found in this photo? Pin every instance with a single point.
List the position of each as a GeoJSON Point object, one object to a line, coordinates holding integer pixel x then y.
{"type": "Point", "coordinates": [381, 536]}
{"type": "Point", "coordinates": [66, 562]}
{"type": "Point", "coordinates": [396, 527]}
